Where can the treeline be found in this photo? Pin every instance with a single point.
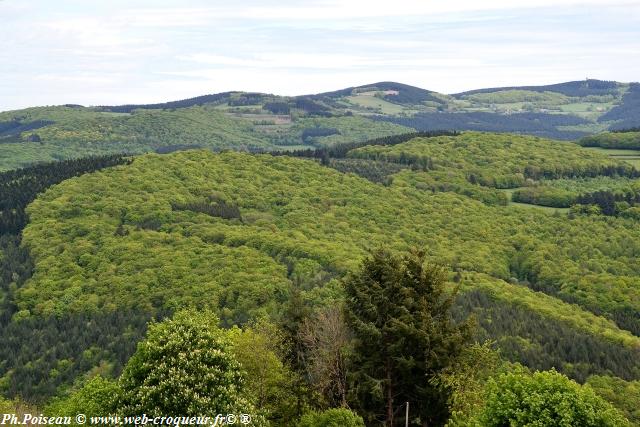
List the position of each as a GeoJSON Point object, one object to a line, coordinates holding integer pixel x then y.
{"type": "Point", "coordinates": [438, 181]}
{"type": "Point", "coordinates": [315, 132]}
{"type": "Point", "coordinates": [375, 171]}
{"type": "Point", "coordinates": [38, 355]}
{"type": "Point", "coordinates": [167, 149]}
{"type": "Point", "coordinates": [606, 202]}
{"type": "Point", "coordinates": [579, 88]}
{"type": "Point", "coordinates": [628, 113]}
{"type": "Point", "coordinates": [340, 151]}
{"type": "Point", "coordinates": [277, 107]}
{"type": "Point", "coordinates": [306, 104]}
{"type": "Point", "coordinates": [19, 187]}
{"type": "Point", "coordinates": [406, 93]}
{"type": "Point", "coordinates": [246, 99]}
{"type": "Point", "coordinates": [213, 206]}
{"type": "Point", "coordinates": [10, 131]}
{"type": "Point", "coordinates": [538, 342]}
{"type": "Point", "coordinates": [622, 139]}
{"type": "Point", "coordinates": [183, 103]}
{"type": "Point", "coordinates": [538, 124]}
{"type": "Point", "coordinates": [613, 202]}
{"type": "Point", "coordinates": [410, 95]}
{"type": "Point", "coordinates": [498, 160]}
{"type": "Point", "coordinates": [372, 170]}
{"type": "Point", "coordinates": [310, 106]}
{"type": "Point", "coordinates": [544, 196]}
{"type": "Point", "coordinates": [21, 339]}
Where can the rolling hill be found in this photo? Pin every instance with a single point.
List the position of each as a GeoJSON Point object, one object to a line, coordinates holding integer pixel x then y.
{"type": "Point", "coordinates": [245, 203]}
{"type": "Point", "coordinates": [263, 122]}
{"type": "Point", "coordinates": [239, 232]}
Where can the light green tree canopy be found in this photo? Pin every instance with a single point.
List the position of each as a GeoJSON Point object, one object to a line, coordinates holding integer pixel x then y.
{"type": "Point", "coordinates": [337, 417]}
{"type": "Point", "coordinates": [546, 399]}
{"type": "Point", "coordinates": [183, 368]}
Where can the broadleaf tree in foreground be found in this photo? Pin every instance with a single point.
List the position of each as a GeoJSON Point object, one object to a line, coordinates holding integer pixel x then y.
{"type": "Point", "coordinates": [545, 398]}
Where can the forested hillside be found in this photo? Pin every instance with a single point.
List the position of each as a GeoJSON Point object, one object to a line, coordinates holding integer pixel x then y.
{"type": "Point", "coordinates": [57, 133]}
{"type": "Point", "coordinates": [244, 234]}
{"type": "Point", "coordinates": [259, 210]}
{"type": "Point", "coordinates": [255, 121]}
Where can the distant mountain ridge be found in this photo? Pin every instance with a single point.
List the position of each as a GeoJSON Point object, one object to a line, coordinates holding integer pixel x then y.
{"type": "Point", "coordinates": [252, 121]}
{"type": "Point", "coordinates": [572, 88]}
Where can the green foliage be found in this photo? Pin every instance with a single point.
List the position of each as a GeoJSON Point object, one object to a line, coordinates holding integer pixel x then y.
{"type": "Point", "coordinates": [590, 185]}
{"type": "Point", "coordinates": [110, 242]}
{"type": "Point", "coordinates": [512, 96]}
{"type": "Point", "coordinates": [337, 417]}
{"type": "Point", "coordinates": [17, 407]}
{"type": "Point", "coordinates": [43, 355]}
{"type": "Point", "coordinates": [237, 120]}
{"type": "Point", "coordinates": [450, 180]}
{"type": "Point", "coordinates": [6, 406]}
{"type": "Point", "coordinates": [80, 132]}
{"type": "Point", "coordinates": [379, 172]}
{"type": "Point", "coordinates": [184, 367]}
{"type": "Point", "coordinates": [351, 129]}
{"type": "Point", "coordinates": [545, 399]}
{"type": "Point", "coordinates": [624, 140]}
{"type": "Point", "coordinates": [398, 310]}
{"type": "Point", "coordinates": [19, 187]}
{"type": "Point", "coordinates": [465, 378]}
{"type": "Point", "coordinates": [77, 132]}
{"type": "Point", "coordinates": [499, 160]}
{"type": "Point", "coordinates": [260, 348]}
{"type": "Point", "coordinates": [544, 196]}
{"type": "Point", "coordinates": [97, 397]}
{"type": "Point", "coordinates": [577, 346]}
{"type": "Point", "coordinates": [624, 395]}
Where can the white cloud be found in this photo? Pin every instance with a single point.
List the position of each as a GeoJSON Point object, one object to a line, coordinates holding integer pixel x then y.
{"type": "Point", "coordinates": [317, 61]}
{"type": "Point", "coordinates": [354, 9]}
{"type": "Point", "coordinates": [118, 51]}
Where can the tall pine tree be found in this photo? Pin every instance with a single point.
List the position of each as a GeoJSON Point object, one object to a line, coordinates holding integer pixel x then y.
{"type": "Point", "coordinates": [399, 311]}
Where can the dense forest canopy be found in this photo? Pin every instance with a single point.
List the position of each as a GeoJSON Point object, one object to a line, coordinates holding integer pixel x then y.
{"type": "Point", "coordinates": [138, 237]}
{"type": "Point", "coordinates": [258, 209]}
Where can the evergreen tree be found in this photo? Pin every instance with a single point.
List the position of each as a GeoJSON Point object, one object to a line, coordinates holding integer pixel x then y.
{"type": "Point", "coordinates": [295, 314]}
{"type": "Point", "coordinates": [399, 311]}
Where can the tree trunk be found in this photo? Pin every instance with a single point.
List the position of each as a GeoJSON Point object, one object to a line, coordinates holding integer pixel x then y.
{"type": "Point", "coordinates": [389, 396]}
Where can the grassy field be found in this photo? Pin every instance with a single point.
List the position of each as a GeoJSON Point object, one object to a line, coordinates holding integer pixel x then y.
{"type": "Point", "coordinates": [593, 128]}
{"type": "Point", "coordinates": [509, 192]}
{"type": "Point", "coordinates": [629, 156]}
{"type": "Point", "coordinates": [587, 107]}
{"type": "Point", "coordinates": [615, 152]}
{"type": "Point", "coordinates": [369, 101]}
{"type": "Point", "coordinates": [512, 96]}
{"type": "Point", "coordinates": [546, 209]}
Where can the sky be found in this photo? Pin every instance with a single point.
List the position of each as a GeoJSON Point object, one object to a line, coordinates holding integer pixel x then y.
{"type": "Point", "coordinates": [105, 52]}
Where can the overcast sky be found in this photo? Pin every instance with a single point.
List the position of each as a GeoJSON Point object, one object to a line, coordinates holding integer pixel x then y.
{"type": "Point", "coordinates": [137, 51]}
